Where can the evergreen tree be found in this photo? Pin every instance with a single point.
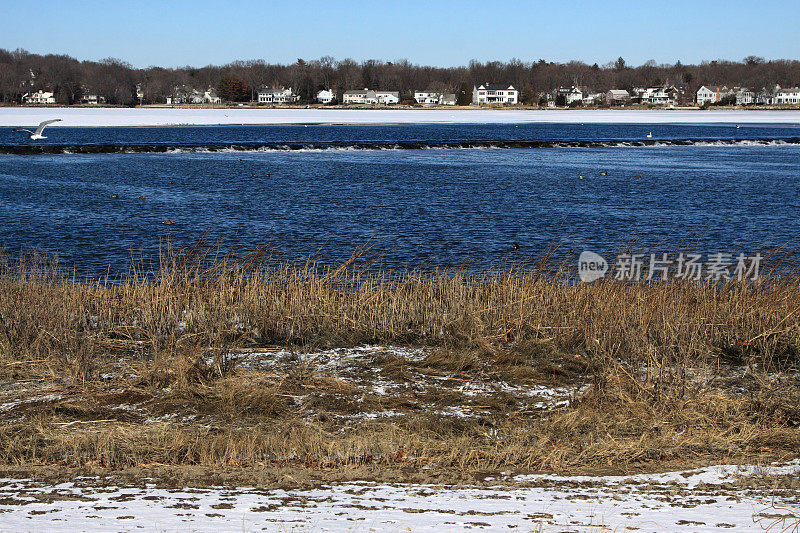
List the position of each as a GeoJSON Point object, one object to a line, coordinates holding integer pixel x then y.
{"type": "Point", "coordinates": [464, 96]}
{"type": "Point", "coordinates": [233, 89]}
{"type": "Point", "coordinates": [527, 96]}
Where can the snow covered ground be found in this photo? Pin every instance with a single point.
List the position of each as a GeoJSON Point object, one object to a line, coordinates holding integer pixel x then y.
{"type": "Point", "coordinates": [709, 499]}
{"type": "Point", "coordinates": [22, 116]}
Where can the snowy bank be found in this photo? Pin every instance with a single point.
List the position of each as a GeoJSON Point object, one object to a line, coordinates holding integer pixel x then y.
{"type": "Point", "coordinates": [708, 499]}
{"type": "Point", "coordinates": [21, 116]}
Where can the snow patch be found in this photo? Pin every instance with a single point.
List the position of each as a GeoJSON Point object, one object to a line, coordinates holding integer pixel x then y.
{"type": "Point", "coordinates": [695, 500]}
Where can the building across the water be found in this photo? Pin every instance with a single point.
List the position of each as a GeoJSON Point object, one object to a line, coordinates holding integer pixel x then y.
{"type": "Point", "coordinates": [494, 93]}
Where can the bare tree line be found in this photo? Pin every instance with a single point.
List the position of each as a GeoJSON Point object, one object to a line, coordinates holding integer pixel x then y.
{"type": "Point", "coordinates": [117, 80]}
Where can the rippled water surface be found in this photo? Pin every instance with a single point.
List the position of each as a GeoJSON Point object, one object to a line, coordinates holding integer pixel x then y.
{"type": "Point", "coordinates": [437, 206]}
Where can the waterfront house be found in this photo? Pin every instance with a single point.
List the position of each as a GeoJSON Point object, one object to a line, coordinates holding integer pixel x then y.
{"type": "Point", "coordinates": [210, 97]}
{"type": "Point", "coordinates": [325, 96]}
{"type": "Point", "coordinates": [39, 97]}
{"type": "Point", "coordinates": [92, 99]}
{"type": "Point", "coordinates": [787, 96]}
{"type": "Point", "coordinates": [359, 97]}
{"type": "Point", "coordinates": [593, 98]}
{"type": "Point", "coordinates": [568, 95]}
{"type": "Point", "coordinates": [277, 96]}
{"type": "Point", "coordinates": [387, 97]}
{"type": "Point", "coordinates": [185, 95]}
{"type": "Point", "coordinates": [744, 96]}
{"type": "Point", "coordinates": [368, 96]}
{"type": "Point", "coordinates": [180, 95]}
{"type": "Point", "coordinates": [434, 98]}
{"type": "Point", "coordinates": [427, 97]}
{"type": "Point", "coordinates": [711, 94]}
{"type": "Point", "coordinates": [617, 97]}
{"type": "Point", "coordinates": [449, 99]}
{"type": "Point", "coordinates": [656, 96]}
{"type": "Point", "coordinates": [492, 93]}
{"type": "Point", "coordinates": [765, 97]}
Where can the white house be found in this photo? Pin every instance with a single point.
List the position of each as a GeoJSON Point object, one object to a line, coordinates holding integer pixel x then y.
{"type": "Point", "coordinates": [387, 97]}
{"type": "Point", "coordinates": [655, 96]}
{"type": "Point", "coordinates": [711, 94]}
{"type": "Point", "coordinates": [788, 96]}
{"type": "Point", "coordinates": [276, 96]}
{"type": "Point", "coordinates": [617, 96]}
{"type": "Point", "coordinates": [359, 97]}
{"type": "Point", "coordinates": [326, 96]}
{"type": "Point", "coordinates": [593, 98]}
{"type": "Point", "coordinates": [765, 97]}
{"type": "Point", "coordinates": [92, 99]}
{"type": "Point", "coordinates": [427, 97]}
{"type": "Point", "coordinates": [368, 96]}
{"type": "Point", "coordinates": [434, 98]}
{"type": "Point", "coordinates": [210, 97]}
{"type": "Point", "coordinates": [186, 95]}
{"type": "Point", "coordinates": [570, 95]}
{"type": "Point", "coordinates": [39, 97]}
{"type": "Point", "coordinates": [493, 93]}
{"type": "Point", "coordinates": [744, 96]}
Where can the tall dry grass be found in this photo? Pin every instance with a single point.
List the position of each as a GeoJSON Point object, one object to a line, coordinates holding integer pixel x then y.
{"type": "Point", "coordinates": [199, 307]}
{"type": "Point", "coordinates": [652, 353]}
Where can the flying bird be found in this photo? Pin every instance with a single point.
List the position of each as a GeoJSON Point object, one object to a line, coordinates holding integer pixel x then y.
{"type": "Point", "coordinates": [36, 135]}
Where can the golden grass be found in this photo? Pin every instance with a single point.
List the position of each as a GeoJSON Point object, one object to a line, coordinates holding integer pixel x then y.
{"type": "Point", "coordinates": [675, 369]}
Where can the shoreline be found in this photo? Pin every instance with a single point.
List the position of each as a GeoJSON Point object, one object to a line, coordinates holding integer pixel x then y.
{"type": "Point", "coordinates": [162, 116]}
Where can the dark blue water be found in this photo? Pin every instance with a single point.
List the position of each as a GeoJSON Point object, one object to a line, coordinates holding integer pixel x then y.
{"type": "Point", "coordinates": [433, 207]}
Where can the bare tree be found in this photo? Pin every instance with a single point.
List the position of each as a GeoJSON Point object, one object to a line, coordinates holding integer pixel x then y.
{"type": "Point", "coordinates": [116, 80]}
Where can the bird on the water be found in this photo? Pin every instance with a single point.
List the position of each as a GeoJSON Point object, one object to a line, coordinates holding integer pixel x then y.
{"type": "Point", "coordinates": [36, 135]}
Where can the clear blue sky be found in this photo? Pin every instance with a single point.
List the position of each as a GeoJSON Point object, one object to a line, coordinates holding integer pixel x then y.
{"type": "Point", "coordinates": [432, 32]}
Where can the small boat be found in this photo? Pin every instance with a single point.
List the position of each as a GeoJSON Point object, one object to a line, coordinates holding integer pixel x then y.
{"type": "Point", "coordinates": [650, 135]}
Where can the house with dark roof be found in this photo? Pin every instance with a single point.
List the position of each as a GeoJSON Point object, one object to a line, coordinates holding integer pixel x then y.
{"type": "Point", "coordinates": [568, 95]}
{"type": "Point", "coordinates": [711, 94]}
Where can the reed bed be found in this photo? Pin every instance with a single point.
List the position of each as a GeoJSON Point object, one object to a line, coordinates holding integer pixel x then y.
{"type": "Point", "coordinates": [669, 370]}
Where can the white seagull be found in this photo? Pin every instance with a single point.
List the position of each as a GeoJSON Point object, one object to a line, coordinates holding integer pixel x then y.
{"type": "Point", "coordinates": [36, 135]}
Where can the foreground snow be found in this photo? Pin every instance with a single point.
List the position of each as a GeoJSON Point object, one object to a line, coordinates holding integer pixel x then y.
{"type": "Point", "coordinates": [166, 116]}
{"type": "Point", "coordinates": [699, 500]}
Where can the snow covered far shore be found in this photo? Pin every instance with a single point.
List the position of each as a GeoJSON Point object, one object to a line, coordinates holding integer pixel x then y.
{"type": "Point", "coordinates": [28, 116]}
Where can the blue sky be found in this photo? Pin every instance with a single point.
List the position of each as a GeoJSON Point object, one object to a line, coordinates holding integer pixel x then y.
{"type": "Point", "coordinates": [433, 32]}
